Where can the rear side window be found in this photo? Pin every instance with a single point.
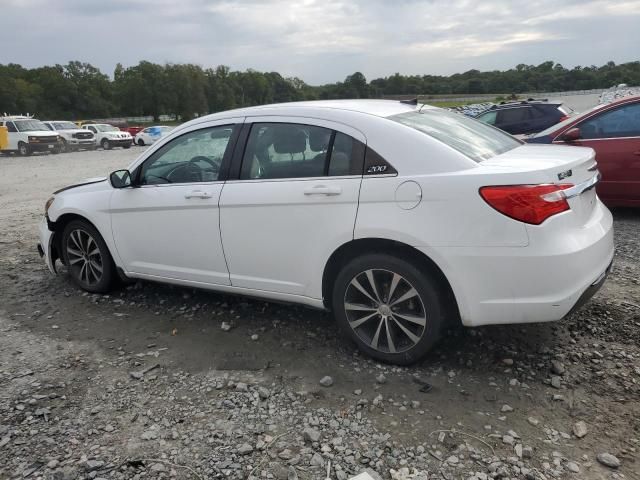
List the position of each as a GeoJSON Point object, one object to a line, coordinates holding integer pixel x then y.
{"type": "Point", "coordinates": [510, 115]}
{"type": "Point", "coordinates": [287, 150]}
{"type": "Point", "coordinates": [470, 137]}
{"type": "Point", "coordinates": [489, 117]}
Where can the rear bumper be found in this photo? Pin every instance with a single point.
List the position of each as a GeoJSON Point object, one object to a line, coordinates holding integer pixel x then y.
{"type": "Point", "coordinates": [45, 244]}
{"type": "Point", "coordinates": [542, 282]}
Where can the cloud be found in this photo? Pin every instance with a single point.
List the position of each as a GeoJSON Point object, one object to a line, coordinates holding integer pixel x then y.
{"type": "Point", "coordinates": [321, 40]}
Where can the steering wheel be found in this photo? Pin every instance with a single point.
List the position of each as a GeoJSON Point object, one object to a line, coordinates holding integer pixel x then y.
{"type": "Point", "coordinates": [215, 166]}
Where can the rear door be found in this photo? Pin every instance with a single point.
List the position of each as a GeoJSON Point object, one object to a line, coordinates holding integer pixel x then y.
{"type": "Point", "coordinates": [293, 201]}
{"type": "Point", "coordinates": [615, 137]}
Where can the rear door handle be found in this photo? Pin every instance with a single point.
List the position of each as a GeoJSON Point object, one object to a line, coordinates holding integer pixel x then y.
{"type": "Point", "coordinates": [197, 194]}
{"type": "Point", "coordinates": [323, 190]}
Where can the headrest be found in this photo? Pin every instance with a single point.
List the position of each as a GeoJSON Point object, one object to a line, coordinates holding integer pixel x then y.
{"type": "Point", "coordinates": [289, 140]}
{"type": "Point", "coordinates": [319, 139]}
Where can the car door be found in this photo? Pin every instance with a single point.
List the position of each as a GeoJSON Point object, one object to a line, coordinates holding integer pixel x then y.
{"type": "Point", "coordinates": [293, 201]}
{"type": "Point", "coordinates": [615, 137]}
{"type": "Point", "coordinates": [168, 225]}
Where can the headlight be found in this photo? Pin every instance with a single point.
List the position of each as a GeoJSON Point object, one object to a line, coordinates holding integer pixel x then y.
{"type": "Point", "coordinates": [48, 204]}
{"type": "Point", "coordinates": [32, 139]}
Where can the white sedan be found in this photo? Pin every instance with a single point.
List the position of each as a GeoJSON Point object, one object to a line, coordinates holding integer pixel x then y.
{"type": "Point", "coordinates": [150, 135]}
{"type": "Point", "coordinates": [401, 219]}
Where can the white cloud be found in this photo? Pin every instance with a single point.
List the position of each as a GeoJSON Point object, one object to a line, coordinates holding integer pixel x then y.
{"type": "Point", "coordinates": [322, 40]}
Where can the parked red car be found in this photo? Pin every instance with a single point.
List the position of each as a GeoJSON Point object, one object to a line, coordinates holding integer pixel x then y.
{"type": "Point", "coordinates": [613, 131]}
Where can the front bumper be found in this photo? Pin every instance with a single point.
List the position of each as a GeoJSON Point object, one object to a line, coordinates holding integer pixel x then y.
{"type": "Point", "coordinates": [45, 245]}
{"type": "Point", "coordinates": [42, 147]}
{"type": "Point", "coordinates": [121, 142]}
{"type": "Point", "coordinates": [545, 281]}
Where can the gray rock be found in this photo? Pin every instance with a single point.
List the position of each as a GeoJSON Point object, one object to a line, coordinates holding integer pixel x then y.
{"type": "Point", "coordinates": [311, 435]}
{"type": "Point", "coordinates": [557, 367]}
{"type": "Point", "coordinates": [573, 467]}
{"type": "Point", "coordinates": [326, 381]}
{"type": "Point", "coordinates": [225, 327]}
{"type": "Point", "coordinates": [508, 439]}
{"type": "Point", "coordinates": [264, 393]}
{"type": "Point", "coordinates": [527, 452]}
{"type": "Point", "coordinates": [533, 421]}
{"type": "Point", "coordinates": [317, 460]}
{"type": "Point", "coordinates": [158, 467]}
{"type": "Point", "coordinates": [580, 429]}
{"type": "Point", "coordinates": [92, 465]}
{"type": "Point", "coordinates": [245, 449]}
{"type": "Point", "coordinates": [254, 337]}
{"type": "Point", "coordinates": [608, 460]}
{"type": "Point", "coordinates": [556, 382]}
{"type": "Point", "coordinates": [506, 408]}
{"type": "Point", "coordinates": [291, 474]}
{"type": "Point", "coordinates": [381, 379]}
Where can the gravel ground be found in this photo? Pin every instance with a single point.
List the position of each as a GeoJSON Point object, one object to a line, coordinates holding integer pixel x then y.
{"type": "Point", "coordinates": [156, 381]}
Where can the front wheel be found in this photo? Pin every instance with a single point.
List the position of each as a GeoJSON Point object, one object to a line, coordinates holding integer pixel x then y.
{"type": "Point", "coordinates": [141, 142]}
{"type": "Point", "coordinates": [23, 149]}
{"type": "Point", "coordinates": [105, 144]}
{"type": "Point", "coordinates": [392, 310]}
{"type": "Point", "coordinates": [87, 257]}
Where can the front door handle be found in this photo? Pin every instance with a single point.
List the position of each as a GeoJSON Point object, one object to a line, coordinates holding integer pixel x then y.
{"type": "Point", "coordinates": [197, 194]}
{"type": "Point", "coordinates": [323, 190]}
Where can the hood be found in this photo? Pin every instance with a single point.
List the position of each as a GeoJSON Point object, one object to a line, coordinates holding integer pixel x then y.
{"type": "Point", "coordinates": [87, 181]}
{"type": "Point", "coordinates": [40, 133]}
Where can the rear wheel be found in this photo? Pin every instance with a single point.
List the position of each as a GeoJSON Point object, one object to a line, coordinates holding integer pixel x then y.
{"type": "Point", "coordinates": [23, 149]}
{"type": "Point", "coordinates": [105, 144]}
{"type": "Point", "coordinates": [392, 310]}
{"type": "Point", "coordinates": [87, 257]}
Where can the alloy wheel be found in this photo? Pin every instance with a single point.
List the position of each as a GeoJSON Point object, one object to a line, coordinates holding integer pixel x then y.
{"type": "Point", "coordinates": [385, 310]}
{"type": "Point", "coordinates": [85, 259]}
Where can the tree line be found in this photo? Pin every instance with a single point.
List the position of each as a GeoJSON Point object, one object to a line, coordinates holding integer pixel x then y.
{"type": "Point", "coordinates": [79, 90]}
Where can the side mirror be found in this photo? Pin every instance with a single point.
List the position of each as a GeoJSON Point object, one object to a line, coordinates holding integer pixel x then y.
{"type": "Point", "coordinates": [120, 179]}
{"type": "Point", "coordinates": [571, 135]}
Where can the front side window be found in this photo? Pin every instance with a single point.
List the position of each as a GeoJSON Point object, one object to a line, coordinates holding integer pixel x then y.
{"type": "Point", "coordinates": [620, 122]}
{"type": "Point", "coordinates": [287, 150]}
{"type": "Point", "coordinates": [470, 137]}
{"type": "Point", "coordinates": [489, 117]}
{"type": "Point", "coordinates": [191, 158]}
{"type": "Point", "coordinates": [11, 127]}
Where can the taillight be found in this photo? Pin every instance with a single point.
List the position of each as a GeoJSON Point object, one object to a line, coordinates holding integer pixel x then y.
{"type": "Point", "coordinates": [527, 203]}
{"type": "Point", "coordinates": [563, 118]}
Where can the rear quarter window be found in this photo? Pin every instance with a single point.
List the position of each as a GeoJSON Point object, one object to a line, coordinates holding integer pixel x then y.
{"type": "Point", "coordinates": [470, 137]}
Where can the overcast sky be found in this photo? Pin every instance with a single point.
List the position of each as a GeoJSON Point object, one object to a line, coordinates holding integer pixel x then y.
{"type": "Point", "coordinates": [321, 41]}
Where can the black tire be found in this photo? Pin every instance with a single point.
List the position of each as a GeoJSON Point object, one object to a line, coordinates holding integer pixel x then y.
{"type": "Point", "coordinates": [23, 149]}
{"type": "Point", "coordinates": [427, 305]}
{"type": "Point", "coordinates": [126, 146]}
{"type": "Point", "coordinates": [141, 142]}
{"type": "Point", "coordinates": [105, 144]}
{"type": "Point", "coordinates": [74, 239]}
{"type": "Point", "coordinates": [63, 147]}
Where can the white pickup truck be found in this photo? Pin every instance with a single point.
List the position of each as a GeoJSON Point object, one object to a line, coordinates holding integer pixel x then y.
{"type": "Point", "coordinates": [72, 137]}
{"type": "Point", "coordinates": [108, 136]}
{"type": "Point", "coordinates": [26, 135]}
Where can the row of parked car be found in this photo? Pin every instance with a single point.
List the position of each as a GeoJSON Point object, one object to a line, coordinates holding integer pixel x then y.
{"type": "Point", "coordinates": [26, 135]}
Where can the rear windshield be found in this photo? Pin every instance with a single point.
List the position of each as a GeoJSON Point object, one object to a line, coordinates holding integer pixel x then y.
{"type": "Point", "coordinates": [471, 137]}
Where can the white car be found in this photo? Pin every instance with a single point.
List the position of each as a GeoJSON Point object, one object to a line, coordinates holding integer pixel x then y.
{"type": "Point", "coordinates": [150, 135]}
{"type": "Point", "coordinates": [399, 218]}
{"type": "Point", "coordinates": [26, 135]}
{"type": "Point", "coordinates": [71, 137]}
{"type": "Point", "coordinates": [108, 136]}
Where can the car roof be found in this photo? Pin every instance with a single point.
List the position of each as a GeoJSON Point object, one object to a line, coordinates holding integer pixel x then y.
{"type": "Point", "coordinates": [378, 108]}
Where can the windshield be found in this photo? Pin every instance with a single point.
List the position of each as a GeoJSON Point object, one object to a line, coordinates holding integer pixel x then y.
{"type": "Point", "coordinates": [65, 126]}
{"type": "Point", "coordinates": [107, 128]}
{"type": "Point", "coordinates": [30, 126]}
{"type": "Point", "coordinates": [474, 139]}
